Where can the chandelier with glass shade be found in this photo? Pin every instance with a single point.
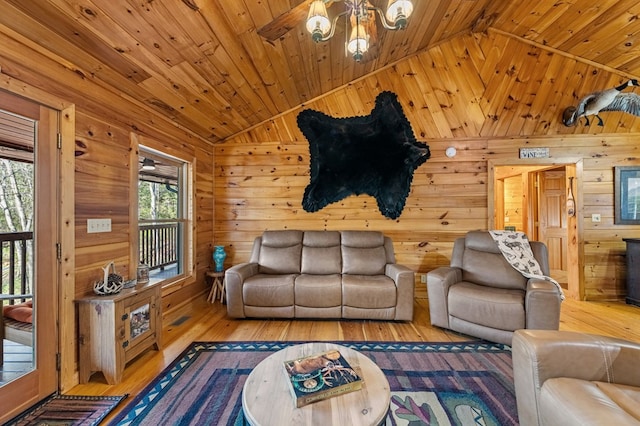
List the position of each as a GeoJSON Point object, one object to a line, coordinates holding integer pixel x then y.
{"type": "Point", "coordinates": [358, 14]}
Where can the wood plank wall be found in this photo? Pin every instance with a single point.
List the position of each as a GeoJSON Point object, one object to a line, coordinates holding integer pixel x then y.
{"type": "Point", "coordinates": [106, 124]}
{"type": "Point", "coordinates": [513, 202]}
{"type": "Point", "coordinates": [485, 94]}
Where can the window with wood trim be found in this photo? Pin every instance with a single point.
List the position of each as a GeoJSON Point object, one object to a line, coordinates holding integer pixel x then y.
{"type": "Point", "coordinates": [163, 214]}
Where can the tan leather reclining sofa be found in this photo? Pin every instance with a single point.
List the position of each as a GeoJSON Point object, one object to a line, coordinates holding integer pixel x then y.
{"type": "Point", "coordinates": [568, 378]}
{"type": "Point", "coordinates": [321, 274]}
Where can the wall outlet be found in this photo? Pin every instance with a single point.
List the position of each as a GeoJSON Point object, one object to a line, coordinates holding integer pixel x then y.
{"type": "Point", "coordinates": [596, 218]}
{"type": "Point", "coordinates": [423, 278]}
{"type": "Point", "coordinates": [98, 225]}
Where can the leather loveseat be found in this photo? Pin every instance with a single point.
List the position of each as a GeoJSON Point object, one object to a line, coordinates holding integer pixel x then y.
{"type": "Point", "coordinates": [568, 378]}
{"type": "Point", "coordinates": [321, 274]}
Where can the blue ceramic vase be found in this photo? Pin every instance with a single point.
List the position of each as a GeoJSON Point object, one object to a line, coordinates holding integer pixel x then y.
{"type": "Point", "coordinates": [219, 255]}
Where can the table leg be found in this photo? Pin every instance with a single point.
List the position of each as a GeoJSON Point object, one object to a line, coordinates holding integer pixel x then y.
{"type": "Point", "coordinates": [222, 291]}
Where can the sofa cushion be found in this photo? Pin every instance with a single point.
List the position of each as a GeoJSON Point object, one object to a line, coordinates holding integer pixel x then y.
{"type": "Point", "coordinates": [366, 291]}
{"type": "Point", "coordinates": [498, 308]}
{"type": "Point", "coordinates": [363, 261]}
{"type": "Point", "coordinates": [363, 253]}
{"type": "Point", "coordinates": [483, 263]}
{"type": "Point", "coordinates": [269, 290]}
{"type": "Point", "coordinates": [321, 253]}
{"type": "Point", "coordinates": [318, 291]}
{"type": "Point", "coordinates": [280, 252]}
{"type": "Point", "coordinates": [573, 401]}
{"type": "Point", "coordinates": [362, 239]}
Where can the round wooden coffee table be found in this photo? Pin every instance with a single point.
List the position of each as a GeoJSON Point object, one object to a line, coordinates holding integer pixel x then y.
{"type": "Point", "coordinates": [267, 399]}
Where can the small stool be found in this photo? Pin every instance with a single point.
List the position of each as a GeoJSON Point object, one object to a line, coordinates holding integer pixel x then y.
{"type": "Point", "coordinates": [216, 285]}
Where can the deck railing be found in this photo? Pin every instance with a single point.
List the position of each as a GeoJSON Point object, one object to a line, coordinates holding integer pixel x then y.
{"type": "Point", "coordinates": [158, 244]}
{"type": "Point", "coordinates": [15, 271]}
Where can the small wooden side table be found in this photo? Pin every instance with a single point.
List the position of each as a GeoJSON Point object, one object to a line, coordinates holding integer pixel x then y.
{"type": "Point", "coordinates": [116, 328]}
{"type": "Point", "coordinates": [217, 285]}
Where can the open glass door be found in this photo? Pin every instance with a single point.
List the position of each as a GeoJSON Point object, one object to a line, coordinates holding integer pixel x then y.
{"type": "Point", "coordinates": [29, 157]}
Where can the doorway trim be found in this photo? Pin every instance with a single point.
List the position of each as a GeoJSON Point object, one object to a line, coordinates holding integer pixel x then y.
{"type": "Point", "coordinates": [575, 242]}
{"type": "Point", "coordinates": [67, 376]}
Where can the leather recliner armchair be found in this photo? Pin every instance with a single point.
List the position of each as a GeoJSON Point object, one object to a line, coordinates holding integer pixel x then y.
{"type": "Point", "coordinates": [568, 378]}
{"type": "Point", "coordinates": [480, 294]}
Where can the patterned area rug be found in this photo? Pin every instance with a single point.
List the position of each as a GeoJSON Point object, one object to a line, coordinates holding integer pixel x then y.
{"type": "Point", "coordinates": [467, 383]}
{"type": "Point", "coordinates": [68, 410]}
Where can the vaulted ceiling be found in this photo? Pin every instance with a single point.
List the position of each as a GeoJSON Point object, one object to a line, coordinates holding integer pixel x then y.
{"type": "Point", "coordinates": [204, 64]}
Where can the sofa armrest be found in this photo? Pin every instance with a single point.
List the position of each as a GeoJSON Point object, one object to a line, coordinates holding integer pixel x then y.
{"type": "Point", "coordinates": [439, 281]}
{"type": "Point", "coordinates": [542, 305]}
{"type": "Point", "coordinates": [234, 278]}
{"type": "Point", "coordinates": [405, 281]}
{"type": "Point", "coordinates": [539, 355]}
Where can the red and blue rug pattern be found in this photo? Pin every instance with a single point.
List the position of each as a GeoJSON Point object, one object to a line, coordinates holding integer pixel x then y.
{"type": "Point", "coordinates": [68, 410]}
{"type": "Point", "coordinates": [468, 383]}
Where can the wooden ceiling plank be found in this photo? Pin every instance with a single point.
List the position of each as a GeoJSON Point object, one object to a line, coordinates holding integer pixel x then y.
{"type": "Point", "coordinates": [457, 55]}
{"type": "Point", "coordinates": [493, 52]}
{"type": "Point", "coordinates": [215, 100]}
{"type": "Point", "coordinates": [572, 75]}
{"type": "Point", "coordinates": [413, 98]}
{"type": "Point", "coordinates": [179, 109]}
{"type": "Point", "coordinates": [525, 88]}
{"type": "Point", "coordinates": [271, 68]}
{"type": "Point", "coordinates": [618, 47]}
{"type": "Point", "coordinates": [460, 17]}
{"type": "Point", "coordinates": [274, 57]}
{"type": "Point", "coordinates": [533, 15]}
{"type": "Point", "coordinates": [499, 87]}
{"type": "Point", "coordinates": [53, 28]}
{"type": "Point", "coordinates": [523, 17]}
{"type": "Point", "coordinates": [284, 22]}
{"type": "Point", "coordinates": [129, 17]}
{"type": "Point", "coordinates": [98, 97]}
{"type": "Point", "coordinates": [549, 19]}
{"type": "Point", "coordinates": [239, 14]}
{"type": "Point", "coordinates": [430, 86]}
{"type": "Point", "coordinates": [237, 65]}
{"type": "Point", "coordinates": [446, 81]}
{"type": "Point", "coordinates": [540, 89]}
{"type": "Point", "coordinates": [590, 19]}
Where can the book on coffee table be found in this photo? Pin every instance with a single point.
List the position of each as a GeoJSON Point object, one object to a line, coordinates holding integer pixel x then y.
{"type": "Point", "coordinates": [320, 376]}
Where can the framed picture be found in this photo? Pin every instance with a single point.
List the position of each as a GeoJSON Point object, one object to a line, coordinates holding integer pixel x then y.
{"type": "Point", "coordinates": [627, 195]}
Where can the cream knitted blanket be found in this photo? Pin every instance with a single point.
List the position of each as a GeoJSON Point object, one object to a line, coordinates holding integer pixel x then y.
{"type": "Point", "coordinates": [516, 249]}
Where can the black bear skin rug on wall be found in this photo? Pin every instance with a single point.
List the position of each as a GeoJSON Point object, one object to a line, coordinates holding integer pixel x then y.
{"type": "Point", "coordinates": [374, 154]}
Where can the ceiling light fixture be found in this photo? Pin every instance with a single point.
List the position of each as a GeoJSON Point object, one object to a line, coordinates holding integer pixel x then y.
{"type": "Point", "coordinates": [358, 13]}
{"type": "Point", "coordinates": [148, 164]}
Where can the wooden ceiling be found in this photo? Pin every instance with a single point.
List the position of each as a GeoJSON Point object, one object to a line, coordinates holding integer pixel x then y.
{"type": "Point", "coordinates": [203, 64]}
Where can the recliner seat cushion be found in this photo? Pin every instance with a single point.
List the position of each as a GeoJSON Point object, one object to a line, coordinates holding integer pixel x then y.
{"type": "Point", "coordinates": [318, 291]}
{"type": "Point", "coordinates": [580, 402]}
{"type": "Point", "coordinates": [269, 290]}
{"type": "Point", "coordinates": [491, 307]}
{"type": "Point", "coordinates": [372, 292]}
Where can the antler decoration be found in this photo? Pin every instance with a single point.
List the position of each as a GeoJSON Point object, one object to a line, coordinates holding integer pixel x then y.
{"type": "Point", "coordinates": [606, 100]}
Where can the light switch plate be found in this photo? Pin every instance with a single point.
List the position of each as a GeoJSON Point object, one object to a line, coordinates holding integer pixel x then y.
{"type": "Point", "coordinates": [596, 218]}
{"type": "Point", "coordinates": [98, 225]}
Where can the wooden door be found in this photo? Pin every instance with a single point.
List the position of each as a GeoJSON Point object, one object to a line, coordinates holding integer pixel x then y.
{"type": "Point", "coordinates": [552, 215]}
{"type": "Point", "coordinates": [42, 379]}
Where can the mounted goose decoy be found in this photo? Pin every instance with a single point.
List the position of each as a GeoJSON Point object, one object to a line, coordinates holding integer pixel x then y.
{"type": "Point", "coordinates": [606, 100]}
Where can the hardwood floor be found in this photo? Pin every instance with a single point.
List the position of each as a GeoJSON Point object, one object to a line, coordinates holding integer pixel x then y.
{"type": "Point", "coordinates": [201, 321]}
